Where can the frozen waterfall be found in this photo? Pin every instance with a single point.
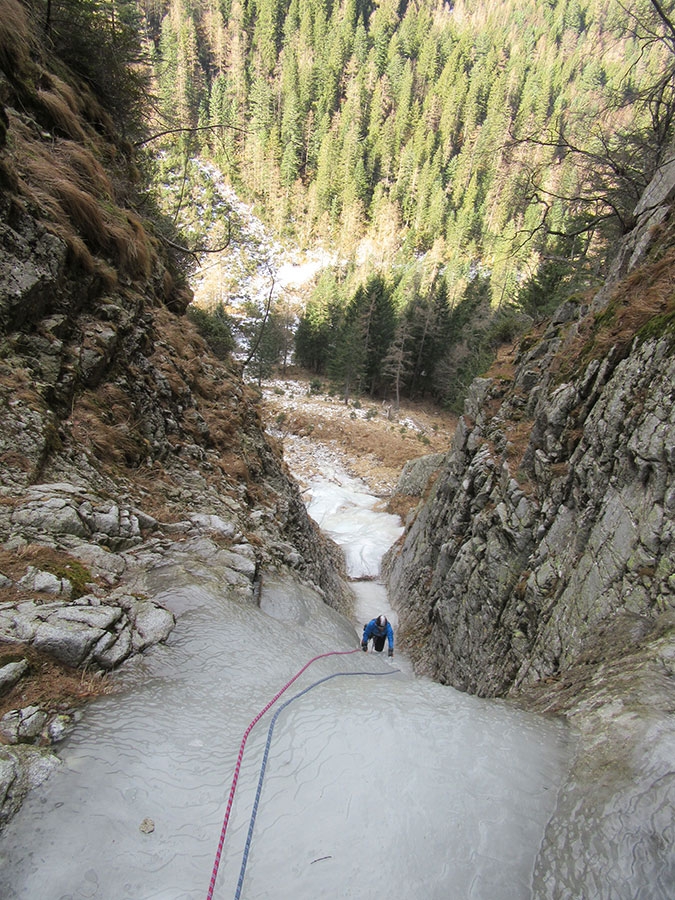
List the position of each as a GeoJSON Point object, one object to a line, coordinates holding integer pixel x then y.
{"type": "Point", "coordinates": [375, 785]}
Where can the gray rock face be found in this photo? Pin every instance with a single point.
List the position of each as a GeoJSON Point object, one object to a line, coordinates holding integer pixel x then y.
{"type": "Point", "coordinates": [21, 769]}
{"type": "Point", "coordinates": [514, 575]}
{"type": "Point", "coordinates": [621, 788]}
{"type": "Point", "coordinates": [65, 509]}
{"type": "Point", "coordinates": [23, 724]}
{"type": "Point", "coordinates": [30, 269]}
{"type": "Point", "coordinates": [651, 211]}
{"type": "Point", "coordinates": [11, 673]}
{"type": "Point", "coordinates": [416, 473]}
{"type": "Point", "coordinates": [78, 633]}
{"type": "Point", "coordinates": [541, 568]}
{"type": "Point", "coordinates": [124, 613]}
{"type": "Point", "coordinates": [552, 516]}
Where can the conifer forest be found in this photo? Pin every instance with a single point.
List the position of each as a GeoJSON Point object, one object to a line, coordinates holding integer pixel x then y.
{"type": "Point", "coordinates": [468, 164]}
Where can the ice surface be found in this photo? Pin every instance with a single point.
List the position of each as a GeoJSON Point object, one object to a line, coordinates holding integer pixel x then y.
{"type": "Point", "coordinates": [376, 784]}
{"type": "Point", "coordinates": [344, 510]}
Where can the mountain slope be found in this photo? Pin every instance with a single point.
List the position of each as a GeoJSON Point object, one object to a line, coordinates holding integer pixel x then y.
{"type": "Point", "coordinates": [124, 441]}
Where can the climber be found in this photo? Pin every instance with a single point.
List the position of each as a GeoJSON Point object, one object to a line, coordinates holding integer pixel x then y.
{"type": "Point", "coordinates": [378, 629]}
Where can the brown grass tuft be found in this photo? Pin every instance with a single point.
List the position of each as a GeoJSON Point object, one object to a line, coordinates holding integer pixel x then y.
{"type": "Point", "coordinates": [61, 114]}
{"type": "Point", "coordinates": [15, 37]}
{"type": "Point", "coordinates": [83, 167]}
{"type": "Point", "coordinates": [15, 563]}
{"type": "Point", "coordinates": [168, 284]}
{"type": "Point", "coordinates": [80, 253]}
{"type": "Point", "coordinates": [137, 256]}
{"type": "Point", "coordinates": [504, 366]}
{"type": "Point", "coordinates": [518, 438]}
{"type": "Point", "coordinates": [79, 207]}
{"type": "Point", "coordinates": [642, 305]}
{"type": "Point", "coordinates": [402, 505]}
{"type": "Point", "coordinates": [109, 430]}
{"type": "Point", "coordinates": [52, 686]}
{"type": "Point", "coordinates": [13, 460]}
{"type": "Point", "coordinates": [71, 190]}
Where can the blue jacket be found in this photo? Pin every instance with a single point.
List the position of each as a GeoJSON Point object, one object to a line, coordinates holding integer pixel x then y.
{"type": "Point", "coordinates": [372, 630]}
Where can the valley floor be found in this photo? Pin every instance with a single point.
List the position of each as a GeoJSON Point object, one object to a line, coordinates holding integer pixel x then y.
{"type": "Point", "coordinates": [371, 439]}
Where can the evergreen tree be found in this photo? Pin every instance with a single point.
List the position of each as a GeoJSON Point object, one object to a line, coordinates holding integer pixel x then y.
{"type": "Point", "coordinates": [348, 362]}
{"type": "Point", "coordinates": [317, 330]}
{"type": "Point", "coordinates": [395, 128]}
{"type": "Point", "coordinates": [376, 310]}
{"type": "Point", "coordinates": [396, 364]}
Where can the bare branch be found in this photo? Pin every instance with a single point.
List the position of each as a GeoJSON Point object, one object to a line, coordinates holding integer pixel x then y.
{"type": "Point", "coordinates": [200, 251]}
{"type": "Point", "coordinates": [664, 19]}
{"type": "Point", "coordinates": [160, 134]}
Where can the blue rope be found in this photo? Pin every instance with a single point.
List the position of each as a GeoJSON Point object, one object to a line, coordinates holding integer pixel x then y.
{"type": "Point", "coordinates": [254, 811]}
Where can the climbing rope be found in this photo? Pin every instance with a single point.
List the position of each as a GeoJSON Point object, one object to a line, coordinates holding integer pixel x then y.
{"type": "Point", "coordinates": [263, 766]}
{"type": "Point", "coordinates": [235, 777]}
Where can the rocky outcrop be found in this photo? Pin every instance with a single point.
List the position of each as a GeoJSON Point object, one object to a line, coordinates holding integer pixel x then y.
{"type": "Point", "coordinates": [552, 515]}
{"type": "Point", "coordinates": [86, 552]}
{"type": "Point", "coordinates": [541, 566]}
{"type": "Point", "coordinates": [514, 570]}
{"type": "Point", "coordinates": [416, 473]}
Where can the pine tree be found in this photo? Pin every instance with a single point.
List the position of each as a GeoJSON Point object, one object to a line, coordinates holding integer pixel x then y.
{"type": "Point", "coordinates": [397, 363]}
{"type": "Point", "coordinates": [317, 329]}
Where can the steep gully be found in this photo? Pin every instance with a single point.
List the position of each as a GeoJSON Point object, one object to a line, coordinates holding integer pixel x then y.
{"type": "Point", "coordinates": [395, 784]}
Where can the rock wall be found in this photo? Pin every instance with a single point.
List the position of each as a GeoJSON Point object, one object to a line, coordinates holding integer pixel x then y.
{"type": "Point", "coordinates": [541, 566]}
{"type": "Point", "coordinates": [551, 521]}
{"type": "Point", "coordinates": [127, 449]}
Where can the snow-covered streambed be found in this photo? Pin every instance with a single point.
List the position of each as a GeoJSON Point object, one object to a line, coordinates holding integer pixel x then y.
{"type": "Point", "coordinates": [376, 784]}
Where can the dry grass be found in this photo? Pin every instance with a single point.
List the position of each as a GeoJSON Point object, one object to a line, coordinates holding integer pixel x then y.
{"type": "Point", "coordinates": [186, 364]}
{"type": "Point", "coordinates": [503, 367]}
{"type": "Point", "coordinates": [16, 461]}
{"type": "Point", "coordinates": [14, 564]}
{"type": "Point", "coordinates": [15, 37]}
{"type": "Point", "coordinates": [69, 186]}
{"type": "Point", "coordinates": [518, 438]}
{"type": "Point", "coordinates": [402, 505]}
{"type": "Point", "coordinates": [642, 305]}
{"type": "Point", "coordinates": [62, 114]}
{"type": "Point", "coordinates": [377, 447]}
{"type": "Point", "coordinates": [49, 684]}
{"type": "Point", "coordinates": [104, 421]}
{"type": "Point", "coordinates": [17, 383]}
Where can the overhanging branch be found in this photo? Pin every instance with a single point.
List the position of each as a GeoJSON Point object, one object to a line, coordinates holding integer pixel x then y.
{"type": "Point", "coordinates": [160, 134]}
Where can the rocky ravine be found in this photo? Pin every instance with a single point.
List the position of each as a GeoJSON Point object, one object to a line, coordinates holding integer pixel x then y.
{"type": "Point", "coordinates": [542, 565]}
{"type": "Point", "coordinates": [84, 535]}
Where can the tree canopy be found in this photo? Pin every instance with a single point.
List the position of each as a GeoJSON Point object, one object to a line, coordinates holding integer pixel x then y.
{"type": "Point", "coordinates": [448, 149]}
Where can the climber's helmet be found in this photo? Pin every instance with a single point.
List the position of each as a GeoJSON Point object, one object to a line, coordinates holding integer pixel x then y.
{"type": "Point", "coordinates": [382, 621]}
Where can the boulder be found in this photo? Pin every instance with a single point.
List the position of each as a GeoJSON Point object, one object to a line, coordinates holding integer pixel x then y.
{"type": "Point", "coordinates": [416, 473]}
{"type": "Point", "coordinates": [21, 769]}
{"type": "Point", "coordinates": [11, 673]}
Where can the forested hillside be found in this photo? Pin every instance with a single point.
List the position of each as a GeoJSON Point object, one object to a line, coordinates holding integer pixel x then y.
{"type": "Point", "coordinates": [481, 153]}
